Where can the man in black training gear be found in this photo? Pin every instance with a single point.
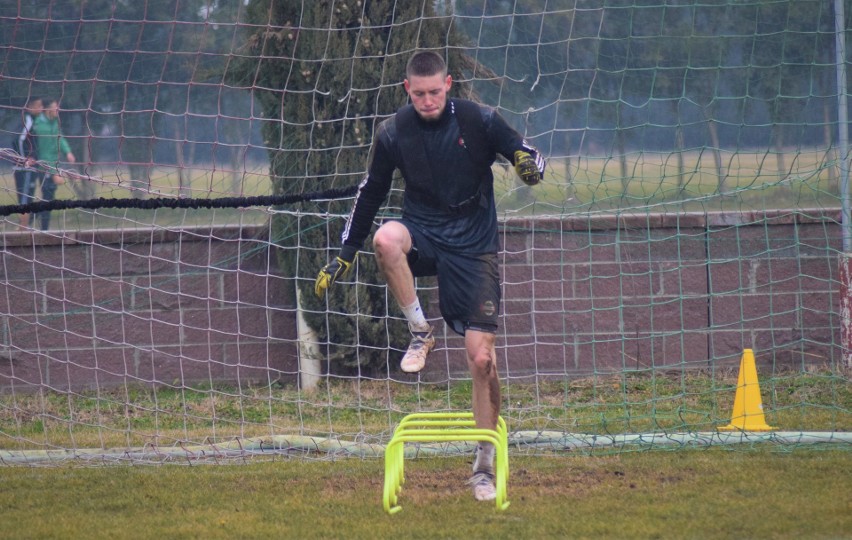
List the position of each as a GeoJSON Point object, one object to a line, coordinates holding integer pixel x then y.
{"type": "Point", "coordinates": [444, 149]}
{"type": "Point", "coordinates": [26, 173]}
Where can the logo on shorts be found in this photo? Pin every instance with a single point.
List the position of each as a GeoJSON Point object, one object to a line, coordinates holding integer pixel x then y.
{"type": "Point", "coordinates": [487, 308]}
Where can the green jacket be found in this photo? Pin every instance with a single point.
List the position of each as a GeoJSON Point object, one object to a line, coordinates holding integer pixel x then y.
{"type": "Point", "coordinates": [51, 146]}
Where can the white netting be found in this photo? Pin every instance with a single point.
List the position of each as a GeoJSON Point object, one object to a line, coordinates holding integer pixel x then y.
{"type": "Point", "coordinates": [692, 209]}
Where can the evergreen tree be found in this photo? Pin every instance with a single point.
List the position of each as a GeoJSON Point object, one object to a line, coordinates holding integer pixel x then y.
{"type": "Point", "coordinates": [326, 73]}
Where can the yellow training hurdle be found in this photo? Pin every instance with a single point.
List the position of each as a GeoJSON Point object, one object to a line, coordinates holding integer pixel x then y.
{"type": "Point", "coordinates": [442, 427]}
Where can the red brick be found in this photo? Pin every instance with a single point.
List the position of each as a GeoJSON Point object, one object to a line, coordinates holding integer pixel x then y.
{"type": "Point", "coordinates": [140, 330]}
{"type": "Point", "coordinates": [17, 263]}
{"type": "Point", "coordinates": [597, 280]}
{"type": "Point", "coordinates": [85, 293]}
{"type": "Point", "coordinates": [683, 278]}
{"type": "Point", "coordinates": [155, 293]}
{"type": "Point", "coordinates": [580, 295]}
{"type": "Point", "coordinates": [818, 274]}
{"type": "Point", "coordinates": [21, 298]}
{"type": "Point", "coordinates": [105, 260]}
{"type": "Point", "coordinates": [517, 290]}
{"type": "Point", "coordinates": [203, 252]}
{"type": "Point", "coordinates": [729, 276]}
{"type": "Point", "coordinates": [755, 310]}
{"type": "Point", "coordinates": [50, 332]}
{"type": "Point", "coordinates": [133, 260]}
{"type": "Point", "coordinates": [246, 288]}
{"type": "Point", "coordinates": [20, 370]}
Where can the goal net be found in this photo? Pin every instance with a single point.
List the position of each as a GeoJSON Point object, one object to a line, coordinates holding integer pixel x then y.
{"type": "Point", "coordinates": [159, 249]}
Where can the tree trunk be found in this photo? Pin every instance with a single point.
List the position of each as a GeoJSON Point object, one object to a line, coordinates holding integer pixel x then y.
{"type": "Point", "coordinates": [183, 190]}
{"type": "Point", "coordinates": [713, 132]}
{"type": "Point", "coordinates": [84, 190]}
{"type": "Point", "coordinates": [622, 159]}
{"type": "Point", "coordinates": [236, 171]}
{"type": "Point", "coordinates": [778, 146]}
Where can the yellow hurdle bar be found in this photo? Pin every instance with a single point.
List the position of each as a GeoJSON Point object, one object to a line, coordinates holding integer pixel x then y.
{"type": "Point", "coordinates": [442, 427]}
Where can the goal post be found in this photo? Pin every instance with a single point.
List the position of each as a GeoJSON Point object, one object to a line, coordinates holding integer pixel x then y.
{"type": "Point", "coordinates": [695, 205]}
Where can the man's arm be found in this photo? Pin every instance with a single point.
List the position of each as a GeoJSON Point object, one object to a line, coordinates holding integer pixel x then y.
{"type": "Point", "coordinates": [65, 149]}
{"type": "Point", "coordinates": [21, 146]}
{"type": "Point", "coordinates": [371, 195]}
{"type": "Point", "coordinates": [529, 163]}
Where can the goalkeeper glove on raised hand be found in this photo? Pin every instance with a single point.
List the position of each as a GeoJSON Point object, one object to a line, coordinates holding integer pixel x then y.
{"type": "Point", "coordinates": [526, 168]}
{"type": "Point", "coordinates": [334, 270]}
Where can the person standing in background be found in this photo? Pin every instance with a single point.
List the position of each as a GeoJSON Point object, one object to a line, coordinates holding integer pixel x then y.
{"type": "Point", "coordinates": [51, 148]}
{"type": "Point", "coordinates": [26, 173]}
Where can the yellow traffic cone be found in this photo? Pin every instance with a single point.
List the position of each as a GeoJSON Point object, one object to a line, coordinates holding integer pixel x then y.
{"type": "Point", "coordinates": [748, 407]}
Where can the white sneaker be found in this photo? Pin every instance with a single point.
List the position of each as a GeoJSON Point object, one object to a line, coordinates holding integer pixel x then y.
{"type": "Point", "coordinates": [483, 486]}
{"type": "Point", "coordinates": [420, 346]}
{"type": "Point", "coordinates": [483, 476]}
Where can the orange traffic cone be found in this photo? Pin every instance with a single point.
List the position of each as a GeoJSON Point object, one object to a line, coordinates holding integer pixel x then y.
{"type": "Point", "coordinates": [748, 407]}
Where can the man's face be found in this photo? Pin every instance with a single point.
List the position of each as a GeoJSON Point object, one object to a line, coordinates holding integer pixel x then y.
{"type": "Point", "coordinates": [429, 94]}
{"type": "Point", "coordinates": [34, 107]}
{"type": "Point", "coordinates": [52, 111]}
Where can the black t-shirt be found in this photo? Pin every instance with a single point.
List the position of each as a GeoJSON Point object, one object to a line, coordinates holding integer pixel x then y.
{"type": "Point", "coordinates": [455, 177]}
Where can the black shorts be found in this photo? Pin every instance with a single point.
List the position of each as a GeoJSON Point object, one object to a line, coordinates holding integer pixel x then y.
{"type": "Point", "coordinates": [468, 285]}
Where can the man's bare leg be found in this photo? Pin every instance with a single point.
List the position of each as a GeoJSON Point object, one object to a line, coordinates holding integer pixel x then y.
{"type": "Point", "coordinates": [392, 243]}
{"type": "Point", "coordinates": [482, 361]}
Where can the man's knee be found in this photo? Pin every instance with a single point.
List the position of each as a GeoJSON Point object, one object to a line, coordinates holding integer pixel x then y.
{"type": "Point", "coordinates": [482, 359]}
{"type": "Point", "coordinates": [382, 242]}
{"type": "Point", "coordinates": [392, 238]}
{"type": "Point", "coordinates": [483, 363]}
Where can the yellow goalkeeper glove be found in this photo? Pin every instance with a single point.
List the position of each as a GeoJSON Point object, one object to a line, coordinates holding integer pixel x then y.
{"type": "Point", "coordinates": [333, 271]}
{"type": "Point", "coordinates": [526, 168]}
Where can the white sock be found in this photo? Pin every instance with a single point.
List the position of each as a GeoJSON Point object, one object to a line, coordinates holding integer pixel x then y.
{"type": "Point", "coordinates": [484, 458]}
{"type": "Point", "coordinates": [416, 319]}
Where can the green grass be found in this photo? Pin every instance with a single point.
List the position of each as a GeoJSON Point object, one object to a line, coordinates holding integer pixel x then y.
{"type": "Point", "coordinates": [641, 402]}
{"type": "Point", "coordinates": [202, 182]}
{"type": "Point", "coordinates": [654, 184]}
{"type": "Point", "coordinates": [587, 184]}
{"type": "Point", "coordinates": [715, 493]}
{"type": "Point", "coordinates": [748, 490]}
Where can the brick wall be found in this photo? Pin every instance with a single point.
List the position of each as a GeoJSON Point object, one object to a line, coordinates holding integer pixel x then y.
{"type": "Point", "coordinates": [581, 296]}
{"type": "Point", "coordinates": [103, 308]}
{"type": "Point", "coordinates": [666, 291]}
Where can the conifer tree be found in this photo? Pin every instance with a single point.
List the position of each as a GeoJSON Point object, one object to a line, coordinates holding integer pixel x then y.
{"type": "Point", "coordinates": [327, 73]}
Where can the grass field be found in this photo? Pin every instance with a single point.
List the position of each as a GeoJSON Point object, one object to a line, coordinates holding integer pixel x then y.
{"type": "Point", "coordinates": [765, 493]}
{"type": "Point", "coordinates": [742, 491]}
{"type": "Point", "coordinates": [654, 183]}
{"type": "Point", "coordinates": [202, 182]}
{"type": "Point", "coordinates": [760, 490]}
{"type": "Point", "coordinates": [582, 184]}
{"type": "Point", "coordinates": [368, 410]}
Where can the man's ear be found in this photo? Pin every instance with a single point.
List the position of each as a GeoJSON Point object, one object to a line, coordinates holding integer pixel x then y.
{"type": "Point", "coordinates": [407, 86]}
{"type": "Point", "coordinates": [449, 82]}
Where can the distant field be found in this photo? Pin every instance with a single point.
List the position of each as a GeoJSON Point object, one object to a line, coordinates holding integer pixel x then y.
{"type": "Point", "coordinates": [203, 181]}
{"type": "Point", "coordinates": [200, 180]}
{"type": "Point", "coordinates": [654, 182]}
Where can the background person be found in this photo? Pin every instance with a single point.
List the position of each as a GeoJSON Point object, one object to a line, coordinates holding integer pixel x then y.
{"type": "Point", "coordinates": [444, 149]}
{"type": "Point", "coordinates": [26, 174]}
{"type": "Point", "coordinates": [51, 148]}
